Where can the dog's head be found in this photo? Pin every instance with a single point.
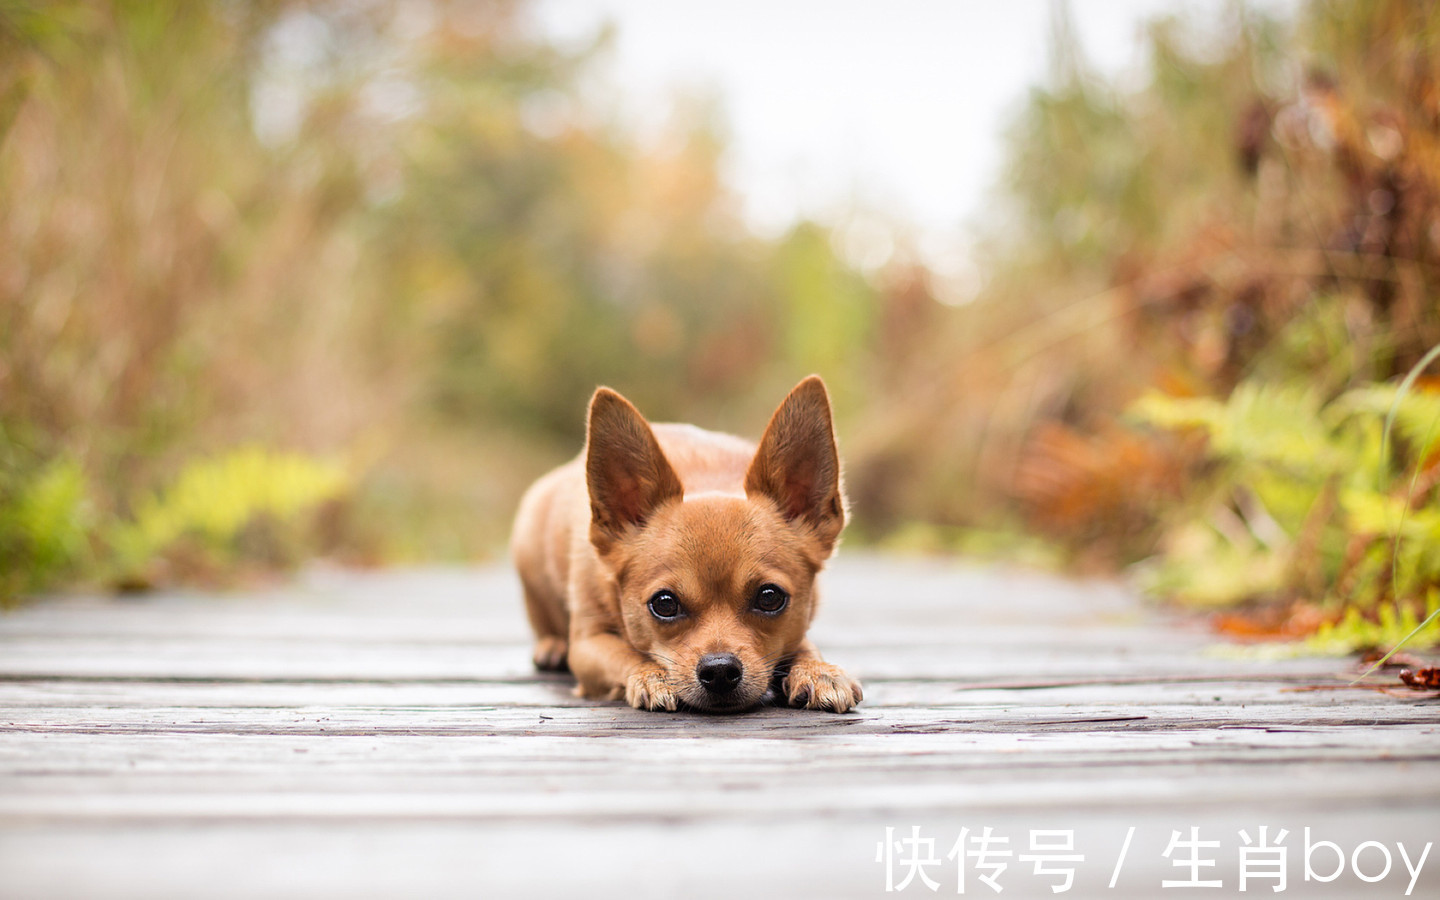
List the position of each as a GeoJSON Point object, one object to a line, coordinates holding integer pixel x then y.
{"type": "Point", "coordinates": [717, 588]}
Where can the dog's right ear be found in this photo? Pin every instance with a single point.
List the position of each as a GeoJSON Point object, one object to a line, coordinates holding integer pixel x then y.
{"type": "Point", "coordinates": [625, 470]}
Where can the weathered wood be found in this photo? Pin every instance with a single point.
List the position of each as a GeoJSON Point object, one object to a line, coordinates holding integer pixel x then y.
{"type": "Point", "coordinates": [1245, 689]}
{"type": "Point", "coordinates": [382, 734]}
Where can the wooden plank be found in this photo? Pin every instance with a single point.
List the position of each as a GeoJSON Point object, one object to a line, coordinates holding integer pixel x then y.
{"type": "Point", "coordinates": [219, 658]}
{"type": "Point", "coordinates": [440, 720]}
{"type": "Point", "coordinates": [1241, 689]}
{"type": "Point", "coordinates": [832, 857]}
{"type": "Point", "coordinates": [379, 734]}
{"type": "Point", "coordinates": [30, 758]}
{"type": "Point", "coordinates": [697, 796]}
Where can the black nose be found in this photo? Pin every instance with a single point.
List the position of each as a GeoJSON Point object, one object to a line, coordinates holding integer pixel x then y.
{"type": "Point", "coordinates": [719, 673]}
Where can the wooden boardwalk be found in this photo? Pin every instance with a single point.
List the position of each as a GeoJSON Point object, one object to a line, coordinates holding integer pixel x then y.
{"type": "Point", "coordinates": [383, 735]}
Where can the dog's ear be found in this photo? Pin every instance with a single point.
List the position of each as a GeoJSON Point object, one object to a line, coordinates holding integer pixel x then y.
{"type": "Point", "coordinates": [627, 474]}
{"type": "Point", "coordinates": [797, 465]}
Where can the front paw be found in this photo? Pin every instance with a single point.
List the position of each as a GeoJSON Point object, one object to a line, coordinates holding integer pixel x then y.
{"type": "Point", "coordinates": [649, 688]}
{"type": "Point", "coordinates": [550, 654]}
{"type": "Point", "coordinates": [813, 684]}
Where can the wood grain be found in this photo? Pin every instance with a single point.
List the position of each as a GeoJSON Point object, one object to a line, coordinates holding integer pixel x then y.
{"type": "Point", "coordinates": [382, 734]}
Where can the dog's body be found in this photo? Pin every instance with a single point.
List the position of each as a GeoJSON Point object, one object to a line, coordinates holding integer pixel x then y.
{"type": "Point", "coordinates": [673, 566]}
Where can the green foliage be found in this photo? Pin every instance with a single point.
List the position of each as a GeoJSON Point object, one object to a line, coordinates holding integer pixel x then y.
{"type": "Point", "coordinates": [1095, 170]}
{"type": "Point", "coordinates": [1243, 240]}
{"type": "Point", "coordinates": [51, 530]}
{"type": "Point", "coordinates": [433, 249]}
{"type": "Point", "coordinates": [529, 256]}
{"type": "Point", "coordinates": [214, 500]}
{"type": "Point", "coordinates": [1303, 496]}
{"type": "Point", "coordinates": [45, 524]}
{"type": "Point", "coordinates": [1388, 627]}
{"type": "Point", "coordinates": [1262, 427]}
{"type": "Point", "coordinates": [438, 250]}
{"type": "Point", "coordinates": [1207, 568]}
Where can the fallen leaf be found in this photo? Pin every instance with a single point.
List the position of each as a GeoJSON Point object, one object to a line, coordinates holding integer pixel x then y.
{"type": "Point", "coordinates": [1427, 679]}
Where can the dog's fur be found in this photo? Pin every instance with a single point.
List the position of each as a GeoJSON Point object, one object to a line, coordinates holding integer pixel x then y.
{"type": "Point", "coordinates": [706, 520]}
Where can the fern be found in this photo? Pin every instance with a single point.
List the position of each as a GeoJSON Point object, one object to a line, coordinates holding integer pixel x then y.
{"type": "Point", "coordinates": [1387, 628]}
{"type": "Point", "coordinates": [1323, 471]}
{"type": "Point", "coordinates": [1261, 424]}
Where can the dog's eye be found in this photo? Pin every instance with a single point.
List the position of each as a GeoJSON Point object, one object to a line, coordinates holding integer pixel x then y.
{"type": "Point", "coordinates": [664, 606]}
{"type": "Point", "coordinates": [770, 599]}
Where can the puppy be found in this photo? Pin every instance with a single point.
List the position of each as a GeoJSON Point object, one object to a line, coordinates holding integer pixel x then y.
{"type": "Point", "coordinates": [675, 567]}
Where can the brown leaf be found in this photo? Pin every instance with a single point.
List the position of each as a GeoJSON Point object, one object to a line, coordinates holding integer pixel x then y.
{"type": "Point", "coordinates": [1426, 679]}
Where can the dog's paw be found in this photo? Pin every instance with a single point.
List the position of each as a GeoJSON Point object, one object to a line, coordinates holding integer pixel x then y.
{"type": "Point", "coordinates": [648, 688]}
{"type": "Point", "coordinates": [550, 654]}
{"type": "Point", "coordinates": [813, 684]}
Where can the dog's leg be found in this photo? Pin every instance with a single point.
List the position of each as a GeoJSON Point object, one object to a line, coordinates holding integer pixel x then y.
{"type": "Point", "coordinates": [549, 622]}
{"type": "Point", "coordinates": [815, 684]}
{"type": "Point", "coordinates": [605, 665]}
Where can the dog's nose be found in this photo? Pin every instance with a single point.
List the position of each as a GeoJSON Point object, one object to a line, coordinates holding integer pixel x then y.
{"type": "Point", "coordinates": [719, 673]}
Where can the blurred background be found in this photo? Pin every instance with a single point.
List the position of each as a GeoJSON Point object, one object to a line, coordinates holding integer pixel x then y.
{"type": "Point", "coordinates": [1104, 287]}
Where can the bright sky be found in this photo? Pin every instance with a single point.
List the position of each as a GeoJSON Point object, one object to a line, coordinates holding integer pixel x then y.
{"type": "Point", "coordinates": [893, 110]}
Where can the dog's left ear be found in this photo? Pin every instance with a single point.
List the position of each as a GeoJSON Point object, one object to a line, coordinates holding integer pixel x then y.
{"type": "Point", "coordinates": [797, 465]}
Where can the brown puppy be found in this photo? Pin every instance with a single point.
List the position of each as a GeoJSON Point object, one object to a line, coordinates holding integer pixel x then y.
{"type": "Point", "coordinates": [676, 567]}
